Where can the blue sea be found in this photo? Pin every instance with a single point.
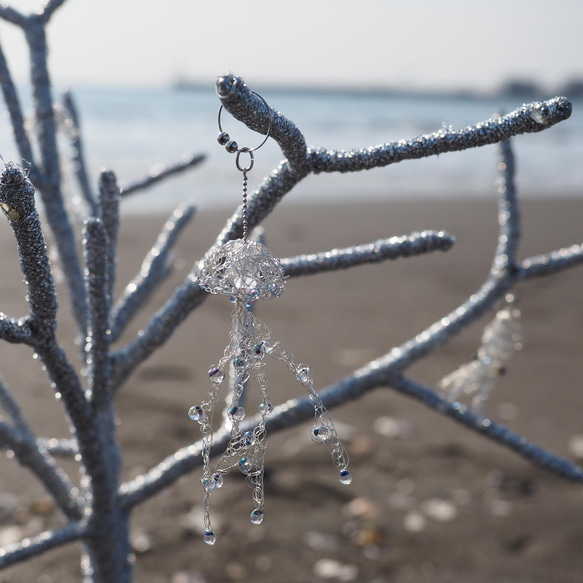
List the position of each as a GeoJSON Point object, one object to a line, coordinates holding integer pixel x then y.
{"type": "Point", "coordinates": [132, 130]}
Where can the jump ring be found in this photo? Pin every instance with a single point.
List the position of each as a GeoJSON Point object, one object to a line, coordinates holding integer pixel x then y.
{"type": "Point", "coordinates": [251, 159]}
{"type": "Point", "coordinates": [245, 149]}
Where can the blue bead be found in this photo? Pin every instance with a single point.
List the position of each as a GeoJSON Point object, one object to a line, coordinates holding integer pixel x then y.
{"type": "Point", "coordinates": [345, 477]}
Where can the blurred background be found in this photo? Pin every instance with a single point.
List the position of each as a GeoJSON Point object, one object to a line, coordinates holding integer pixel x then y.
{"type": "Point", "coordinates": [349, 76]}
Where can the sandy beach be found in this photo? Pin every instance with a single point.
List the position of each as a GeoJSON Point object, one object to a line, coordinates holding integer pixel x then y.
{"type": "Point", "coordinates": [430, 501]}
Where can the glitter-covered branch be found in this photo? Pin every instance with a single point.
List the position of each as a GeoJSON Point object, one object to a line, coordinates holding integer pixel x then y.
{"type": "Point", "coordinates": [155, 267]}
{"type": "Point", "coordinates": [300, 161]}
{"type": "Point", "coordinates": [77, 150]}
{"type": "Point", "coordinates": [45, 541]}
{"type": "Point", "coordinates": [20, 439]}
{"type": "Point", "coordinates": [393, 248]}
{"type": "Point", "coordinates": [553, 262]}
{"type": "Point", "coordinates": [17, 118]}
{"type": "Point", "coordinates": [160, 172]}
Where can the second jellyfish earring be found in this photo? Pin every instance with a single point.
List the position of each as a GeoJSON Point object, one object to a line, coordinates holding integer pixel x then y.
{"type": "Point", "coordinates": [246, 271]}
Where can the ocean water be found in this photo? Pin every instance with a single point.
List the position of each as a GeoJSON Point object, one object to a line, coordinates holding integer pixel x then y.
{"type": "Point", "coordinates": [132, 130]}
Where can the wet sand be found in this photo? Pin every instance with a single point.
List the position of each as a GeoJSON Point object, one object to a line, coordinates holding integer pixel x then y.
{"type": "Point", "coordinates": [430, 501]}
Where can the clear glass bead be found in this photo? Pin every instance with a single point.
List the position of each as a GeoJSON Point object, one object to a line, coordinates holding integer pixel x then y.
{"type": "Point", "coordinates": [256, 516]}
{"type": "Point", "coordinates": [266, 408]}
{"type": "Point", "coordinates": [320, 433]}
{"type": "Point", "coordinates": [304, 374]}
{"type": "Point", "coordinates": [212, 483]}
{"type": "Point", "coordinates": [248, 438]}
{"type": "Point", "coordinates": [195, 412]}
{"type": "Point", "coordinates": [345, 477]}
{"type": "Point", "coordinates": [216, 374]}
{"type": "Point", "coordinates": [245, 465]}
{"type": "Point", "coordinates": [273, 289]}
{"type": "Point", "coordinates": [237, 413]}
{"type": "Point", "coordinates": [258, 351]}
{"type": "Point", "coordinates": [210, 538]}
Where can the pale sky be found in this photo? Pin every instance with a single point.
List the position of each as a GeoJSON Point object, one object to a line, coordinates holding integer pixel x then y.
{"type": "Point", "coordinates": [440, 44]}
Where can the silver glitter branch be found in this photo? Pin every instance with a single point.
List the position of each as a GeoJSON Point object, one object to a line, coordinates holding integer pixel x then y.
{"type": "Point", "coordinates": [159, 173]}
{"type": "Point", "coordinates": [14, 330]}
{"type": "Point", "coordinates": [490, 429]}
{"type": "Point", "coordinates": [45, 541]}
{"type": "Point", "coordinates": [11, 407]}
{"type": "Point", "coordinates": [300, 161]}
{"type": "Point", "coordinates": [109, 199]}
{"type": "Point", "coordinates": [155, 268]}
{"type": "Point", "coordinates": [17, 119]}
{"type": "Point", "coordinates": [97, 282]}
{"type": "Point", "coordinates": [533, 117]}
{"type": "Point", "coordinates": [98, 513]}
{"type": "Point", "coordinates": [20, 439]}
{"type": "Point", "coordinates": [17, 204]}
{"type": "Point", "coordinates": [11, 15]}
{"type": "Point", "coordinates": [65, 448]}
{"type": "Point", "coordinates": [393, 248]}
{"type": "Point", "coordinates": [553, 262]}
{"type": "Point", "coordinates": [77, 151]}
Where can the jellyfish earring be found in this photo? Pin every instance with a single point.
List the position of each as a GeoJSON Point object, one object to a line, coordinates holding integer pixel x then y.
{"type": "Point", "coordinates": [245, 271]}
{"type": "Point", "coordinates": [501, 338]}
